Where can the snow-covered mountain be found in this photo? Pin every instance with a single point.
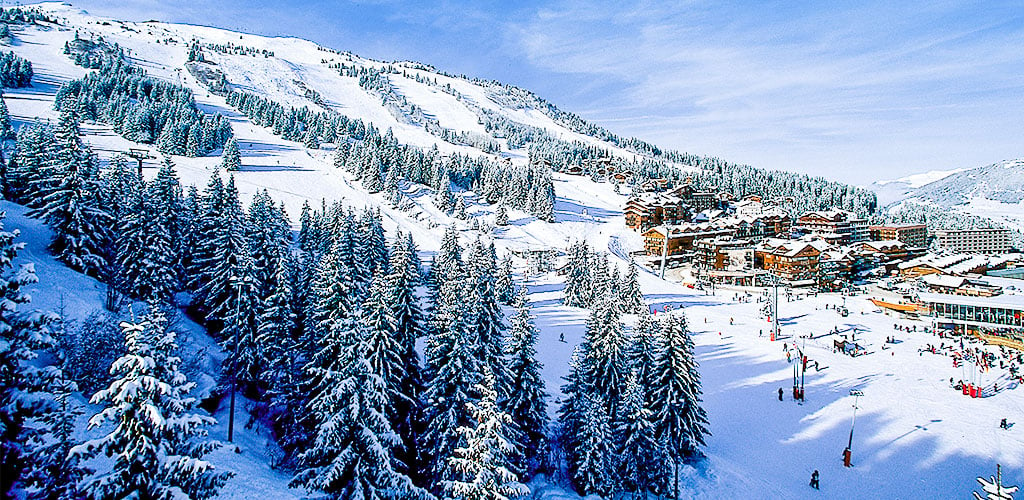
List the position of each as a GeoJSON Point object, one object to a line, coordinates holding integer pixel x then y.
{"type": "Point", "coordinates": [893, 190]}
{"type": "Point", "coordinates": [994, 191]}
{"type": "Point", "coordinates": [916, 437]}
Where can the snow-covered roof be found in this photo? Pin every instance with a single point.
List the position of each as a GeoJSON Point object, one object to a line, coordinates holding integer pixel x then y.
{"type": "Point", "coordinates": [941, 280]}
{"type": "Point", "coordinates": [1015, 302]}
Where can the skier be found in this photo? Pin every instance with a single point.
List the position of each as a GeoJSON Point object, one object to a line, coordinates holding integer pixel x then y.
{"type": "Point", "coordinates": [1002, 424]}
{"type": "Point", "coordinates": [814, 479]}
{"type": "Point", "coordinates": [780, 395]}
{"type": "Point", "coordinates": [561, 337]}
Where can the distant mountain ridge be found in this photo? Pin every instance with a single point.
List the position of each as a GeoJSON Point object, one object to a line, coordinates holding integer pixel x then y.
{"type": "Point", "coordinates": [994, 192]}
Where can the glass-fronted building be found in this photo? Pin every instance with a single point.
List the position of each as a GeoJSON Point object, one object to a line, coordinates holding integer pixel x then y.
{"type": "Point", "coordinates": [1001, 315]}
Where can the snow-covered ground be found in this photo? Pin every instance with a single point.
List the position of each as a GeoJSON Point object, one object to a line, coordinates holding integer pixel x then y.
{"type": "Point", "coordinates": [915, 437]}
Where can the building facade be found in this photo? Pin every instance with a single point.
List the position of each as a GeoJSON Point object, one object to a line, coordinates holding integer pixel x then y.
{"type": "Point", "coordinates": [836, 226]}
{"type": "Point", "coordinates": [999, 319]}
{"type": "Point", "coordinates": [989, 241]}
{"type": "Point", "coordinates": [912, 235]}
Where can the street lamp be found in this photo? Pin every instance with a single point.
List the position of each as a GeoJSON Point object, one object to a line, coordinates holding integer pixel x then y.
{"type": "Point", "coordinates": [848, 452]}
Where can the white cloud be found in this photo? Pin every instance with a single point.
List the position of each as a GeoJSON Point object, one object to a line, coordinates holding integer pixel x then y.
{"type": "Point", "coordinates": [879, 89]}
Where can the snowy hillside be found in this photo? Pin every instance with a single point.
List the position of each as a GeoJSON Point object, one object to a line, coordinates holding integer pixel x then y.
{"type": "Point", "coordinates": [995, 191]}
{"type": "Point", "coordinates": [916, 437]}
{"type": "Point", "coordinates": [893, 190]}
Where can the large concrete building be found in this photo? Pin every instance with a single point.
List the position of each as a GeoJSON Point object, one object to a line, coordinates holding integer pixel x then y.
{"type": "Point", "coordinates": [988, 241]}
{"type": "Point", "coordinates": [912, 235]}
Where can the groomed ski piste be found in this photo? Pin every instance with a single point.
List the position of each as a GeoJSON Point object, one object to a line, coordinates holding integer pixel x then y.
{"type": "Point", "coordinates": [915, 436]}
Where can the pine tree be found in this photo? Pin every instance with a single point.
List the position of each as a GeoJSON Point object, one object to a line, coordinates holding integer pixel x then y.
{"type": "Point", "coordinates": [481, 468]}
{"type": "Point", "coordinates": [69, 201]}
{"type": "Point", "coordinates": [225, 256]}
{"type": "Point", "coordinates": [350, 456]}
{"type": "Point", "coordinates": [594, 470]}
{"type": "Point", "coordinates": [58, 473]}
{"type": "Point", "coordinates": [638, 450]}
{"type": "Point", "coordinates": [504, 283]}
{"type": "Point", "coordinates": [231, 159]}
{"type": "Point", "coordinates": [269, 240]}
{"type": "Point", "coordinates": [406, 318]}
{"type": "Point", "coordinates": [383, 352]}
{"type": "Point", "coordinates": [501, 216]}
{"type": "Point", "coordinates": [579, 285]}
{"type": "Point", "coordinates": [22, 383]}
{"type": "Point", "coordinates": [487, 318]}
{"type": "Point", "coordinates": [311, 140]}
{"type": "Point", "coordinates": [680, 423]}
{"type": "Point", "coordinates": [453, 370]}
{"type": "Point", "coordinates": [643, 351]}
{"type": "Point", "coordinates": [156, 443]}
{"type": "Point", "coordinates": [527, 398]}
{"type": "Point", "coordinates": [25, 183]}
{"type": "Point", "coordinates": [630, 295]}
{"type": "Point", "coordinates": [6, 130]}
{"type": "Point", "coordinates": [605, 349]}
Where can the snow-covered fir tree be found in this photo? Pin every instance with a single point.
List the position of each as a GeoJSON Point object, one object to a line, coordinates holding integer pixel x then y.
{"type": "Point", "coordinates": [231, 159]}
{"type": "Point", "coordinates": [146, 243]}
{"type": "Point", "coordinates": [680, 423]}
{"type": "Point", "coordinates": [69, 201]}
{"type": "Point", "coordinates": [23, 334]}
{"type": "Point", "coordinates": [407, 321]}
{"type": "Point", "coordinates": [57, 472]}
{"type": "Point", "coordinates": [452, 372]}
{"type": "Point", "coordinates": [481, 468]}
{"type": "Point", "coordinates": [156, 444]}
{"type": "Point", "coordinates": [605, 351]}
{"type": "Point", "coordinates": [383, 352]}
{"type": "Point", "coordinates": [579, 283]}
{"type": "Point", "coordinates": [504, 282]}
{"type": "Point", "coordinates": [593, 471]}
{"type": "Point", "coordinates": [487, 318]}
{"type": "Point", "coordinates": [501, 215]}
{"type": "Point", "coordinates": [527, 397]}
{"type": "Point", "coordinates": [631, 297]}
{"type": "Point", "coordinates": [638, 451]}
{"type": "Point", "coordinates": [224, 257]}
{"type": "Point", "coordinates": [351, 453]}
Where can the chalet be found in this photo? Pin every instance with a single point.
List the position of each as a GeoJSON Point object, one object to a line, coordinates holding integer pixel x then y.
{"type": "Point", "coordinates": [839, 226]}
{"type": "Point", "coordinates": [680, 238]}
{"type": "Point", "coordinates": [653, 209]}
{"type": "Point", "coordinates": [886, 250]}
{"type": "Point", "coordinates": [724, 254]}
{"type": "Point", "coordinates": [655, 185]}
{"type": "Point", "coordinates": [574, 170]}
{"type": "Point", "coordinates": [956, 264]}
{"type": "Point", "coordinates": [958, 285]}
{"type": "Point", "coordinates": [791, 260]}
{"type": "Point", "coordinates": [622, 177]}
{"type": "Point", "coordinates": [698, 200]}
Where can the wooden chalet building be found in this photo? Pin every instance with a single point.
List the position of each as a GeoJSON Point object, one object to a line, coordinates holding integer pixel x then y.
{"type": "Point", "coordinates": [838, 226]}
{"type": "Point", "coordinates": [653, 209]}
{"type": "Point", "coordinates": [791, 260]}
{"type": "Point", "coordinates": [681, 238]}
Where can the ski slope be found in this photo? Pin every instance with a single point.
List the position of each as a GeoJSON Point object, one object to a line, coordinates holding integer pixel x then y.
{"type": "Point", "coordinates": [915, 437]}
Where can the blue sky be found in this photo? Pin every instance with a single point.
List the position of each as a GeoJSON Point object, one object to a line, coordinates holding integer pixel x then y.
{"type": "Point", "coordinates": [855, 91]}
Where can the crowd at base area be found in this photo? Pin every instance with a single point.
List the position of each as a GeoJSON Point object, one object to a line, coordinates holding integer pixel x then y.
{"type": "Point", "coordinates": [985, 360]}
